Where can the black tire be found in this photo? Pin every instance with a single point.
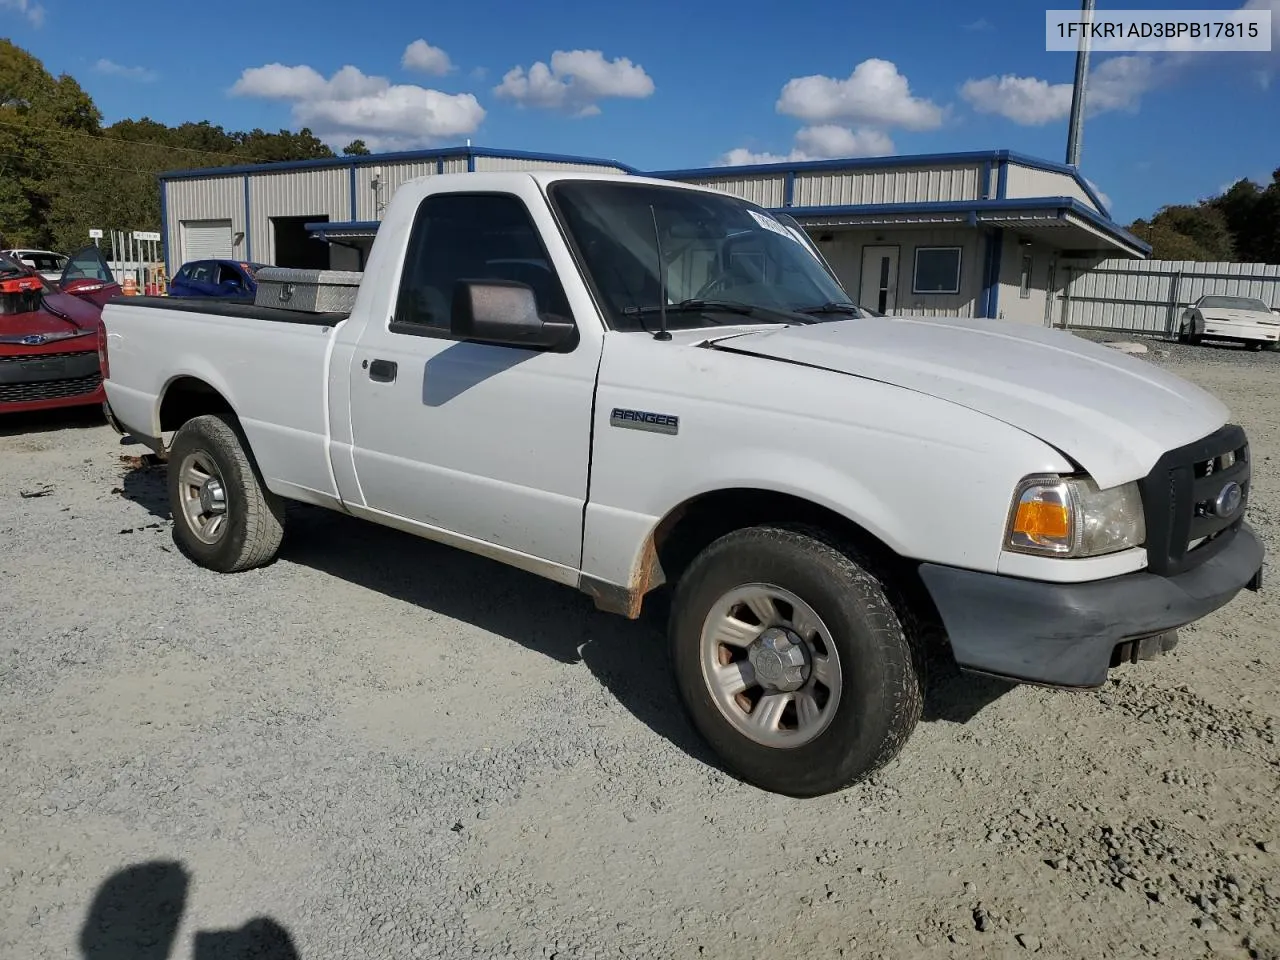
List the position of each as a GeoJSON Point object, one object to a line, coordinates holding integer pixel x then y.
{"type": "Point", "coordinates": [1254, 346]}
{"type": "Point", "coordinates": [254, 517]}
{"type": "Point", "coordinates": [881, 696]}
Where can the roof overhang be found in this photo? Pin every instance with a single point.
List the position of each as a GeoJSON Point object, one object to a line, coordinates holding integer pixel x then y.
{"type": "Point", "coordinates": [1061, 222]}
{"type": "Point", "coordinates": [343, 230]}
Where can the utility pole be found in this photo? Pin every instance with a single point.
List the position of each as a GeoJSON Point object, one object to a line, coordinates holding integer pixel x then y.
{"type": "Point", "coordinates": [1078, 91]}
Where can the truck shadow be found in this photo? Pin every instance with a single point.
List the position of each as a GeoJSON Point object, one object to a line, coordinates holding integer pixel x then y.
{"type": "Point", "coordinates": [48, 421]}
{"type": "Point", "coordinates": [628, 657]}
{"type": "Point", "coordinates": [136, 913]}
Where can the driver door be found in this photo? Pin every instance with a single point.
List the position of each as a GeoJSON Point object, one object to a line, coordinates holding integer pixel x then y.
{"type": "Point", "coordinates": [486, 442]}
{"type": "Point", "coordinates": [88, 276]}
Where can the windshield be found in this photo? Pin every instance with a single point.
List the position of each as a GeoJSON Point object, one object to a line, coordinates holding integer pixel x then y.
{"type": "Point", "coordinates": [1234, 303]}
{"type": "Point", "coordinates": [715, 248]}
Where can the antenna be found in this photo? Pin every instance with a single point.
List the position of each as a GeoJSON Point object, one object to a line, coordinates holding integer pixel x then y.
{"type": "Point", "coordinates": [663, 333]}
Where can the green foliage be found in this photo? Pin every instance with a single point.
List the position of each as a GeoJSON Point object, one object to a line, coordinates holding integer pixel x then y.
{"type": "Point", "coordinates": [1241, 225]}
{"type": "Point", "coordinates": [62, 172]}
{"type": "Point", "coordinates": [356, 148]}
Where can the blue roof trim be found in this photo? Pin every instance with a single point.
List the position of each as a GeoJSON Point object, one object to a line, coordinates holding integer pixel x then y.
{"type": "Point", "coordinates": [374, 159]}
{"type": "Point", "coordinates": [804, 166]}
{"type": "Point", "coordinates": [1061, 204]}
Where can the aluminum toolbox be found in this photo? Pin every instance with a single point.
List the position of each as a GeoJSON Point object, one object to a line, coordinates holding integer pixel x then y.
{"type": "Point", "coordinates": [310, 291]}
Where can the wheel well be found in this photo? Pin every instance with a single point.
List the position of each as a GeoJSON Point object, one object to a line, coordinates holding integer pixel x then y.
{"type": "Point", "coordinates": [697, 523]}
{"type": "Point", "coordinates": [187, 398]}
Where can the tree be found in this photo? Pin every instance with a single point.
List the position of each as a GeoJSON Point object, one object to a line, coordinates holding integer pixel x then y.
{"type": "Point", "coordinates": [1187, 233]}
{"type": "Point", "coordinates": [41, 118]}
{"type": "Point", "coordinates": [356, 148]}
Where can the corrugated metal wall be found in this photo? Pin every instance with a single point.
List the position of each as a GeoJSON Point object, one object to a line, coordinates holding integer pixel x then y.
{"type": "Point", "coordinates": [509, 164]}
{"type": "Point", "coordinates": [1149, 297]}
{"type": "Point", "coordinates": [321, 192]}
{"type": "Point", "coordinates": [1029, 182]}
{"type": "Point", "coordinates": [394, 176]}
{"type": "Point", "coordinates": [210, 198]}
{"type": "Point", "coordinates": [767, 190]}
{"type": "Point", "coordinates": [893, 185]}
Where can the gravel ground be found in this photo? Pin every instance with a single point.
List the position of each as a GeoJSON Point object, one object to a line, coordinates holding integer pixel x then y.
{"type": "Point", "coordinates": [378, 747]}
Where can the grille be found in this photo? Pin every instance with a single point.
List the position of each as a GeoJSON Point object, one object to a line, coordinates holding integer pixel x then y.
{"type": "Point", "coordinates": [24, 357]}
{"type": "Point", "coordinates": [1184, 526]}
{"type": "Point", "coordinates": [48, 389]}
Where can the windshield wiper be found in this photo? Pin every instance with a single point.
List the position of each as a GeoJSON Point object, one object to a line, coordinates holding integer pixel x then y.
{"type": "Point", "coordinates": [848, 309]}
{"type": "Point", "coordinates": [755, 312]}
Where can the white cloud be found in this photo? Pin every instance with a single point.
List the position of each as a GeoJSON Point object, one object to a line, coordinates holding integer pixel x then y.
{"type": "Point", "coordinates": [112, 69]}
{"type": "Point", "coordinates": [275, 81]}
{"type": "Point", "coordinates": [981, 25]}
{"type": "Point", "coordinates": [829, 140]}
{"type": "Point", "coordinates": [33, 13]}
{"type": "Point", "coordinates": [1117, 84]}
{"type": "Point", "coordinates": [875, 93]}
{"type": "Point", "coordinates": [351, 104]}
{"type": "Point", "coordinates": [575, 82]}
{"type": "Point", "coordinates": [1026, 100]}
{"type": "Point", "coordinates": [424, 58]}
{"type": "Point", "coordinates": [823, 142]}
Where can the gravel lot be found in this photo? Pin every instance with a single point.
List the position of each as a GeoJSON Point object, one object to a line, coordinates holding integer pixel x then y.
{"type": "Point", "coordinates": [378, 747]}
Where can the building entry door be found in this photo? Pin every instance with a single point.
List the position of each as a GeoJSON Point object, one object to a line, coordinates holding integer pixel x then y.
{"type": "Point", "coordinates": [878, 289]}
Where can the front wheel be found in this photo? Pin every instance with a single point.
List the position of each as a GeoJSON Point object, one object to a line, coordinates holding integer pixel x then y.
{"type": "Point", "coordinates": [224, 518]}
{"type": "Point", "coordinates": [792, 661]}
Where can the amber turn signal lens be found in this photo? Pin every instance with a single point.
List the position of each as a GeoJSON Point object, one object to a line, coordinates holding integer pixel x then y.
{"type": "Point", "coordinates": [1040, 521]}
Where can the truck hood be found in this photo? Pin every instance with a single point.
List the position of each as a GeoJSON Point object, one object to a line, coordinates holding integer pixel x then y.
{"type": "Point", "coordinates": [1112, 414]}
{"type": "Point", "coordinates": [1240, 316]}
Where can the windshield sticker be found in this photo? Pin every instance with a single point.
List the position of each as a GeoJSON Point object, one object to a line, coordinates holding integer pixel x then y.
{"type": "Point", "coordinates": [770, 224]}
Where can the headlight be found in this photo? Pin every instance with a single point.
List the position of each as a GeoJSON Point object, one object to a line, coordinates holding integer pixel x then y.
{"type": "Point", "coordinates": [1070, 517]}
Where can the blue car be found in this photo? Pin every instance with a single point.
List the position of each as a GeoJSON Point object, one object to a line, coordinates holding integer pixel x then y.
{"type": "Point", "coordinates": [225, 279]}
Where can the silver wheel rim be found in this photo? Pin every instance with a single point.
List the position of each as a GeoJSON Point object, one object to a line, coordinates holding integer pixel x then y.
{"type": "Point", "coordinates": [770, 665]}
{"type": "Point", "coordinates": [202, 497]}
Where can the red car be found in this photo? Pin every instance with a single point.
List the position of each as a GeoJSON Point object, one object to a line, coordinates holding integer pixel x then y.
{"type": "Point", "coordinates": [51, 335]}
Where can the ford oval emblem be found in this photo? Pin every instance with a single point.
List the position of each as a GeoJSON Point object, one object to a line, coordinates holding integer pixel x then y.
{"type": "Point", "coordinates": [1228, 501]}
{"type": "Point", "coordinates": [34, 340]}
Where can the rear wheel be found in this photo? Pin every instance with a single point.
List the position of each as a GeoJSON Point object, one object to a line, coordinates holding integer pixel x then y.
{"type": "Point", "coordinates": [224, 518]}
{"type": "Point", "coordinates": [792, 661]}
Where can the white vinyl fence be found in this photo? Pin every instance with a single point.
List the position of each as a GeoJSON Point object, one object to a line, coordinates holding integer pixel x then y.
{"type": "Point", "coordinates": [1149, 296]}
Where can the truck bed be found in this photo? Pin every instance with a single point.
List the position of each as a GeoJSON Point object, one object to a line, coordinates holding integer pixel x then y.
{"type": "Point", "coordinates": [237, 308]}
{"type": "Point", "coordinates": [269, 364]}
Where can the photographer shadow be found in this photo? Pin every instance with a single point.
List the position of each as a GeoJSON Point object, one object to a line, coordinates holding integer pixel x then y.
{"type": "Point", "coordinates": [137, 911]}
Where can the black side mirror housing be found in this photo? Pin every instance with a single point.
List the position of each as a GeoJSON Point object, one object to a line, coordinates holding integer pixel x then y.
{"type": "Point", "coordinates": [505, 313]}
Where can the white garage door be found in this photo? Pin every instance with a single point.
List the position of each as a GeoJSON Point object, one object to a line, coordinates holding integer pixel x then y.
{"type": "Point", "coordinates": [206, 240]}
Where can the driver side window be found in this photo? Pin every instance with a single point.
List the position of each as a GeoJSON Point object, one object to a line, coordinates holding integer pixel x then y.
{"type": "Point", "coordinates": [471, 237]}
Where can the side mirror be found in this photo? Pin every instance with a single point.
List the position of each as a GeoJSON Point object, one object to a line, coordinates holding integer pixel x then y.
{"type": "Point", "coordinates": [504, 312]}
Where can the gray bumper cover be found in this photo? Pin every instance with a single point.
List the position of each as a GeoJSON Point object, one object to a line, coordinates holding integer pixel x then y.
{"type": "Point", "coordinates": [1063, 634]}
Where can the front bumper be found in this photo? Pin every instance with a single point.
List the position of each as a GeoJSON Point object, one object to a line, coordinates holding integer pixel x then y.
{"type": "Point", "coordinates": [1064, 634]}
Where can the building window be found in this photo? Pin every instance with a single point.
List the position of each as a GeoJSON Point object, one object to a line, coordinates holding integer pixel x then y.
{"type": "Point", "coordinates": [1024, 290]}
{"type": "Point", "coordinates": [937, 270]}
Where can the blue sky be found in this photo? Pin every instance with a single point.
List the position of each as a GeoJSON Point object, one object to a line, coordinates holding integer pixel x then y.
{"type": "Point", "coordinates": [668, 84]}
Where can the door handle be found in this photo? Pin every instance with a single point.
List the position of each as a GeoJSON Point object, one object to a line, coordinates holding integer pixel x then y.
{"type": "Point", "coordinates": [382, 371]}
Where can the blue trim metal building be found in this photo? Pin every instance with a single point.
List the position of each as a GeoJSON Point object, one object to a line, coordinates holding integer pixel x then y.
{"type": "Point", "coordinates": [983, 233]}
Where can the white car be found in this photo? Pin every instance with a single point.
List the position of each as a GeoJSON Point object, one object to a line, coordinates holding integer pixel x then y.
{"type": "Point", "coordinates": [1244, 320]}
{"type": "Point", "coordinates": [48, 264]}
{"type": "Point", "coordinates": [617, 383]}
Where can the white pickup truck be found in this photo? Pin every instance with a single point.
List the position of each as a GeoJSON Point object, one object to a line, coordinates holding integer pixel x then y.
{"type": "Point", "coordinates": [519, 378]}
